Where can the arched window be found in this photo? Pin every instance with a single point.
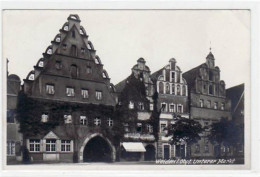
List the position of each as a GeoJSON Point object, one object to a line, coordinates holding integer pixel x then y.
{"type": "Point", "coordinates": [161, 87]}
{"type": "Point", "coordinates": [74, 51]}
{"type": "Point", "coordinates": [73, 71]}
{"type": "Point", "coordinates": [210, 75]}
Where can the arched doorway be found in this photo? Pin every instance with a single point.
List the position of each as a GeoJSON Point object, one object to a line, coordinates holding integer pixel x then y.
{"type": "Point", "coordinates": [149, 155]}
{"type": "Point", "coordinates": [97, 150]}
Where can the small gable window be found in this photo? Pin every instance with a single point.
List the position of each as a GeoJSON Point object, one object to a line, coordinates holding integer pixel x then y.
{"type": "Point", "coordinates": [31, 77]}
{"type": "Point", "coordinates": [66, 28]}
{"type": "Point", "coordinates": [57, 39]}
{"type": "Point", "coordinates": [41, 64]}
{"type": "Point", "coordinates": [49, 51]}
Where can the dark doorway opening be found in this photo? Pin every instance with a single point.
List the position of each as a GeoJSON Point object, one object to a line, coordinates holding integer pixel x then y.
{"type": "Point", "coordinates": [149, 155]}
{"type": "Point", "coordinates": [97, 150]}
{"type": "Point", "coordinates": [166, 152]}
{"type": "Point", "coordinates": [180, 151]}
{"type": "Point", "coordinates": [217, 151]}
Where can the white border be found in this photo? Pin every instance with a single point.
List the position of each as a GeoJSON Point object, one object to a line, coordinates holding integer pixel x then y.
{"type": "Point", "coordinates": [253, 6]}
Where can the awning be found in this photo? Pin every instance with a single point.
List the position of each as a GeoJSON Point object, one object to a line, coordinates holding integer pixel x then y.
{"type": "Point", "coordinates": [134, 147]}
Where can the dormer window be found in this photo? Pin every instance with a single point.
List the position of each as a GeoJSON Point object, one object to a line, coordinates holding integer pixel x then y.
{"type": "Point", "coordinates": [66, 28]}
{"type": "Point", "coordinates": [67, 119]}
{"type": "Point", "coordinates": [31, 77]}
{"type": "Point", "coordinates": [44, 117]}
{"type": "Point", "coordinates": [41, 64]}
{"type": "Point", "coordinates": [131, 105]}
{"type": "Point", "coordinates": [49, 51]}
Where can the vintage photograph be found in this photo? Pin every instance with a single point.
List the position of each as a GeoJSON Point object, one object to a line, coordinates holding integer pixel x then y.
{"type": "Point", "coordinates": [126, 87]}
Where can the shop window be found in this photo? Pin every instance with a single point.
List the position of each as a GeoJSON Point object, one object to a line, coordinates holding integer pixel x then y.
{"type": "Point", "coordinates": [98, 95]}
{"type": "Point", "coordinates": [51, 145]}
{"type": "Point", "coordinates": [50, 89]}
{"type": "Point", "coordinates": [10, 148]}
{"type": "Point", "coordinates": [65, 145]}
{"type": "Point", "coordinates": [97, 121]}
{"type": "Point", "coordinates": [67, 119]}
{"type": "Point", "coordinates": [83, 120]}
{"type": "Point", "coordinates": [109, 122]}
{"type": "Point", "coordinates": [70, 91]}
{"type": "Point", "coordinates": [34, 145]}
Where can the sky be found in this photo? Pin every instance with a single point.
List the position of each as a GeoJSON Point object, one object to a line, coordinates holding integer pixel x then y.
{"type": "Point", "coordinates": [121, 37]}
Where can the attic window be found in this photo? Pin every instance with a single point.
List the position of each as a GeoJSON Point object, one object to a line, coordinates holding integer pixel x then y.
{"type": "Point", "coordinates": [57, 39]}
{"type": "Point", "coordinates": [41, 64]}
{"type": "Point", "coordinates": [31, 77]}
{"type": "Point", "coordinates": [49, 51]}
{"type": "Point", "coordinates": [66, 28]}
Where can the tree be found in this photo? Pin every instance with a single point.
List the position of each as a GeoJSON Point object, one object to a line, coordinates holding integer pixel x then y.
{"type": "Point", "coordinates": [186, 130]}
{"type": "Point", "coordinates": [226, 133]}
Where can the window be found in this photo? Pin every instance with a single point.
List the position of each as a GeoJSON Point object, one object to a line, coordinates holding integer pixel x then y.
{"type": "Point", "coordinates": [222, 106]}
{"type": "Point", "coordinates": [83, 120]}
{"type": "Point", "coordinates": [172, 108]}
{"type": "Point", "coordinates": [167, 88]}
{"type": "Point", "coordinates": [173, 76]}
{"type": "Point", "coordinates": [149, 128]}
{"type": "Point", "coordinates": [31, 77]}
{"type": "Point", "coordinates": [141, 106]}
{"type": "Point", "coordinates": [126, 127]}
{"type": "Point", "coordinates": [161, 87]}
{"type": "Point", "coordinates": [50, 89]}
{"type": "Point", "coordinates": [57, 39]}
{"type": "Point", "coordinates": [66, 28]}
{"type": "Point", "coordinates": [164, 107]}
{"type": "Point", "coordinates": [197, 148]}
{"type": "Point", "coordinates": [70, 91]}
{"type": "Point", "coordinates": [64, 46]}
{"type": "Point", "coordinates": [210, 75]}
{"type": "Point", "coordinates": [44, 117]}
{"type": "Point", "coordinates": [81, 32]}
{"type": "Point", "coordinates": [180, 108]}
{"type": "Point", "coordinates": [97, 61]}
{"type": "Point", "coordinates": [151, 106]}
{"type": "Point", "coordinates": [74, 51]}
{"type": "Point", "coordinates": [65, 145]}
{"type": "Point", "coordinates": [50, 145]}
{"type": "Point", "coordinates": [58, 65]}
{"type": "Point", "coordinates": [201, 103]}
{"type": "Point", "coordinates": [82, 50]}
{"type": "Point", "coordinates": [215, 105]}
{"type": "Point", "coordinates": [34, 145]}
{"type": "Point", "coordinates": [209, 104]}
{"type": "Point", "coordinates": [163, 126]}
{"type": "Point", "coordinates": [74, 71]}
{"type": "Point", "coordinates": [97, 121]}
{"type": "Point", "coordinates": [211, 89]}
{"type": "Point", "coordinates": [10, 116]}
{"type": "Point", "coordinates": [49, 51]}
{"type": "Point", "coordinates": [206, 148]}
{"type": "Point", "coordinates": [104, 75]}
{"type": "Point", "coordinates": [139, 127]}
{"type": "Point", "coordinates": [109, 122]}
{"type": "Point", "coordinates": [184, 90]}
{"type": "Point", "coordinates": [10, 148]}
{"type": "Point", "coordinates": [73, 34]}
{"type": "Point", "coordinates": [178, 90]}
{"type": "Point", "coordinates": [84, 93]}
{"type": "Point", "coordinates": [98, 95]}
{"type": "Point", "coordinates": [89, 70]}
{"type": "Point", "coordinates": [67, 119]}
{"type": "Point", "coordinates": [41, 64]}
{"type": "Point", "coordinates": [173, 89]}
{"type": "Point", "coordinates": [131, 105]}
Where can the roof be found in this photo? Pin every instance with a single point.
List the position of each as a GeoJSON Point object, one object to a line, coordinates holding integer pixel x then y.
{"type": "Point", "coordinates": [191, 75]}
{"type": "Point", "coordinates": [234, 94]}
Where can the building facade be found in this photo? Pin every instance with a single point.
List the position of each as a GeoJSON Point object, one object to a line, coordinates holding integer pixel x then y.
{"type": "Point", "coordinates": [14, 138]}
{"type": "Point", "coordinates": [172, 101]}
{"type": "Point", "coordinates": [134, 96]}
{"type": "Point", "coordinates": [207, 103]}
{"type": "Point", "coordinates": [68, 102]}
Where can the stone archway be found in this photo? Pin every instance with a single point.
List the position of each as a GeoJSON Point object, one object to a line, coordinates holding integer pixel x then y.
{"type": "Point", "coordinates": [103, 146]}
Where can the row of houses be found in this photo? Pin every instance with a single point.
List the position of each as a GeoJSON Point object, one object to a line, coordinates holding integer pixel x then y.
{"type": "Point", "coordinates": [68, 111]}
